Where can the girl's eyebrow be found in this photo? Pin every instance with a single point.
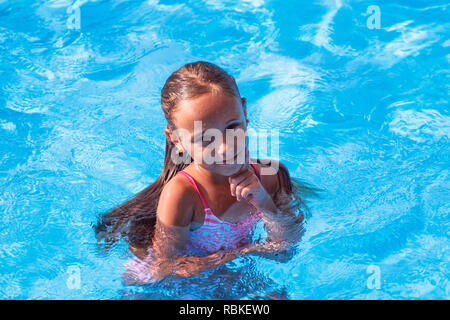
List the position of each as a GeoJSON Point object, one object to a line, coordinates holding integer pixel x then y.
{"type": "Point", "coordinates": [201, 134]}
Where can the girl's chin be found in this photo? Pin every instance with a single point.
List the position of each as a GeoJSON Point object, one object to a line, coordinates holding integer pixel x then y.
{"type": "Point", "coordinates": [229, 169]}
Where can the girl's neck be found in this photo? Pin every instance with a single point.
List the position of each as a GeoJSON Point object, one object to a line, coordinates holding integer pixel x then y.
{"type": "Point", "coordinates": [210, 176]}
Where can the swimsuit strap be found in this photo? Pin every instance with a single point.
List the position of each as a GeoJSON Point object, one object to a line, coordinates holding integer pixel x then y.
{"type": "Point", "coordinates": [257, 170]}
{"type": "Point", "coordinates": [192, 181]}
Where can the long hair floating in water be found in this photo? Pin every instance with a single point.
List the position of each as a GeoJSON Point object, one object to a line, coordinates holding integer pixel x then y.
{"type": "Point", "coordinates": [135, 219]}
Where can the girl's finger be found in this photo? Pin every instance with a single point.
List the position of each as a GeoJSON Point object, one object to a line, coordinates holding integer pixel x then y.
{"type": "Point", "coordinates": [239, 189]}
{"type": "Point", "coordinates": [234, 181]}
{"type": "Point", "coordinates": [232, 187]}
{"type": "Point", "coordinates": [238, 178]}
{"type": "Point", "coordinates": [246, 192]}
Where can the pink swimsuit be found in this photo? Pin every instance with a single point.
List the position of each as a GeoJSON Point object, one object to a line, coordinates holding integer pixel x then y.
{"type": "Point", "coordinates": [216, 234]}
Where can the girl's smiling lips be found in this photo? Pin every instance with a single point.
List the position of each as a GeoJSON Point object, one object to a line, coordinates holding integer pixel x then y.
{"type": "Point", "coordinates": [232, 161]}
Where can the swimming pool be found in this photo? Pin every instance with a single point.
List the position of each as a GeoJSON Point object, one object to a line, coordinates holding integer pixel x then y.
{"type": "Point", "coordinates": [358, 90]}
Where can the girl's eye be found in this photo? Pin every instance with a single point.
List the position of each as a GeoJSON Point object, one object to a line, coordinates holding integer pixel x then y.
{"type": "Point", "coordinates": [233, 126]}
{"type": "Point", "coordinates": [207, 140]}
{"type": "Point", "coordinates": [210, 139]}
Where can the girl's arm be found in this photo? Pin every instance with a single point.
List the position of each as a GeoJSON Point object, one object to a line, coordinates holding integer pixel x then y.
{"type": "Point", "coordinates": [174, 215]}
{"type": "Point", "coordinates": [283, 226]}
{"type": "Point", "coordinates": [168, 258]}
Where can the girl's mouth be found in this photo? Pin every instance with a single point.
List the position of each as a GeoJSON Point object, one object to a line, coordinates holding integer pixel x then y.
{"type": "Point", "coordinates": [232, 161]}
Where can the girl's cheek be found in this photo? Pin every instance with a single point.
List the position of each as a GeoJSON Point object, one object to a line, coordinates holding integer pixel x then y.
{"type": "Point", "coordinates": [207, 158]}
{"type": "Point", "coordinates": [196, 152]}
{"type": "Point", "coordinates": [200, 155]}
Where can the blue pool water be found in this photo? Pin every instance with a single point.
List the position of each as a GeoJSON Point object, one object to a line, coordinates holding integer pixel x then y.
{"type": "Point", "coordinates": [362, 110]}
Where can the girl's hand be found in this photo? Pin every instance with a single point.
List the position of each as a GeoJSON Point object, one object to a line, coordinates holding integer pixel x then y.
{"type": "Point", "coordinates": [246, 185]}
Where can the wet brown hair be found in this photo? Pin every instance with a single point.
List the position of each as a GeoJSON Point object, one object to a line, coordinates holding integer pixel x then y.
{"type": "Point", "coordinates": [135, 219]}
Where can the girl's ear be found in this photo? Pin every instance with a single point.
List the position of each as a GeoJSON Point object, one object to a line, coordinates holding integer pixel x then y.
{"type": "Point", "coordinates": [169, 136]}
{"type": "Point", "coordinates": [177, 143]}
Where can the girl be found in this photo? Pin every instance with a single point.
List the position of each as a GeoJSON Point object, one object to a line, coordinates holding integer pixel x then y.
{"type": "Point", "coordinates": [197, 215]}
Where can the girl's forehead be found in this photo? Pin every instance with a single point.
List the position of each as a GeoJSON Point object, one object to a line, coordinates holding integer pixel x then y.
{"type": "Point", "coordinates": [212, 109]}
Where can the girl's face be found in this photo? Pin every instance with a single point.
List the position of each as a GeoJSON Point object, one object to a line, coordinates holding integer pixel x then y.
{"type": "Point", "coordinates": [204, 123]}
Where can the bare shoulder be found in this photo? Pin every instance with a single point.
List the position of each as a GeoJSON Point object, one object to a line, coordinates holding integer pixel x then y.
{"type": "Point", "coordinates": [176, 205]}
{"type": "Point", "coordinates": [269, 178]}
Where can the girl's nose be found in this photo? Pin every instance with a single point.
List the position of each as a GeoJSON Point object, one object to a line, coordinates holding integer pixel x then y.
{"type": "Point", "coordinates": [222, 151]}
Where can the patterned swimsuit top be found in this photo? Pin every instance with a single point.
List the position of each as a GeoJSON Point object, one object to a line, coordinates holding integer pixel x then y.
{"type": "Point", "coordinates": [216, 234]}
